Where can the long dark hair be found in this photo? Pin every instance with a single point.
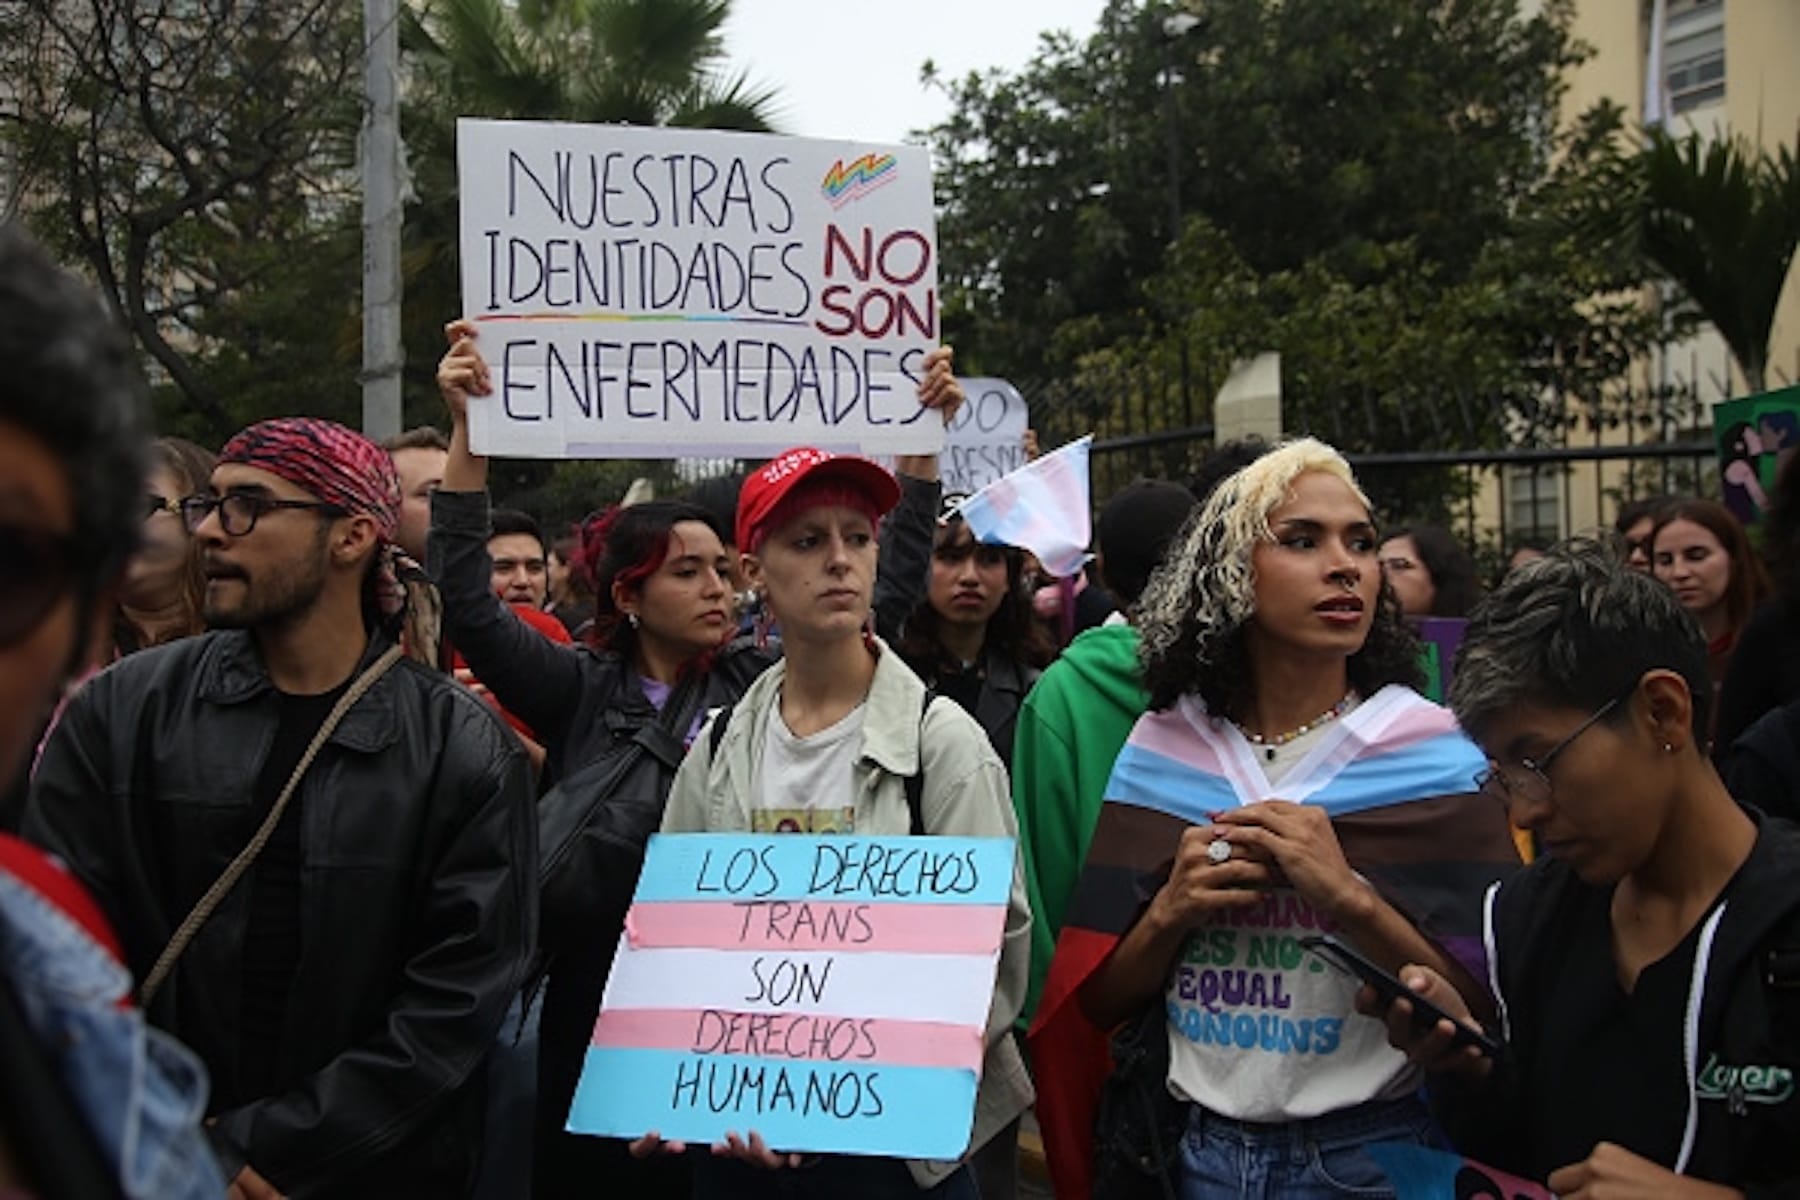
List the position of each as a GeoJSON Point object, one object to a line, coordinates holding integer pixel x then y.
{"type": "Point", "coordinates": [1452, 568]}
{"type": "Point", "coordinates": [625, 546]}
{"type": "Point", "coordinates": [1749, 581]}
{"type": "Point", "coordinates": [1012, 632]}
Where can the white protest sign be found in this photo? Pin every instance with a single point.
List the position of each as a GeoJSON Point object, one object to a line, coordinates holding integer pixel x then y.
{"type": "Point", "coordinates": [829, 993]}
{"type": "Point", "coordinates": [664, 293]}
{"type": "Point", "coordinates": [986, 438]}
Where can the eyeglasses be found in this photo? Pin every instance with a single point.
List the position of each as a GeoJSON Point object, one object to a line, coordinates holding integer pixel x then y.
{"type": "Point", "coordinates": [239, 511]}
{"type": "Point", "coordinates": [154, 504]}
{"type": "Point", "coordinates": [1530, 783]}
{"type": "Point", "coordinates": [35, 572]}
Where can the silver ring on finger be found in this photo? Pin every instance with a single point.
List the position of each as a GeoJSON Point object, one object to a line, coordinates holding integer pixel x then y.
{"type": "Point", "coordinates": [1218, 851]}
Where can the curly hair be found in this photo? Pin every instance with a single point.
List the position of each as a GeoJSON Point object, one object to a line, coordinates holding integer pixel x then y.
{"type": "Point", "coordinates": [1193, 613]}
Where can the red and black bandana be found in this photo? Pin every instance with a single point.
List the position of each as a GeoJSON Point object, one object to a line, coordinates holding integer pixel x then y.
{"type": "Point", "coordinates": [338, 465]}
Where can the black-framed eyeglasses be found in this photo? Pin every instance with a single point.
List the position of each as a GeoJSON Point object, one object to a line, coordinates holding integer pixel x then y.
{"type": "Point", "coordinates": [239, 511]}
{"type": "Point", "coordinates": [36, 570]}
{"type": "Point", "coordinates": [154, 504]}
{"type": "Point", "coordinates": [1529, 782]}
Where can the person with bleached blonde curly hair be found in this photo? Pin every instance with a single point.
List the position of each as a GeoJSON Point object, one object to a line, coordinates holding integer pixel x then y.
{"type": "Point", "coordinates": [1286, 782]}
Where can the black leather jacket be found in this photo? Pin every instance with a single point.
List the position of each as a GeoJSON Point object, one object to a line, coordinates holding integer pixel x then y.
{"type": "Point", "coordinates": [418, 910]}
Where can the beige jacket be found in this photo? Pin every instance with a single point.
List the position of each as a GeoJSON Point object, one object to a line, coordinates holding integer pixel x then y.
{"type": "Point", "coordinates": [965, 795]}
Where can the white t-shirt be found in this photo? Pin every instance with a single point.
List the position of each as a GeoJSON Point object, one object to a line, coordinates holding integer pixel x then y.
{"type": "Point", "coordinates": [1259, 1028]}
{"type": "Point", "coordinates": [807, 784]}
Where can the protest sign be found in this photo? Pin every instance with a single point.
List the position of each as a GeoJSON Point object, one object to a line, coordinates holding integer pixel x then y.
{"type": "Point", "coordinates": [1420, 1173]}
{"type": "Point", "coordinates": [1044, 506]}
{"type": "Point", "coordinates": [1756, 437]}
{"type": "Point", "coordinates": [830, 993]}
{"type": "Point", "coordinates": [670, 292]}
{"type": "Point", "coordinates": [986, 438]}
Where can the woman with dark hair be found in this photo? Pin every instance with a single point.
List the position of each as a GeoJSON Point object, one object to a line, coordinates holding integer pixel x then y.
{"type": "Point", "coordinates": [1287, 780]}
{"type": "Point", "coordinates": [973, 638]}
{"type": "Point", "coordinates": [659, 655]}
{"type": "Point", "coordinates": [1700, 550]}
{"type": "Point", "coordinates": [1765, 668]}
{"type": "Point", "coordinates": [1432, 575]}
{"type": "Point", "coordinates": [1646, 965]}
{"type": "Point", "coordinates": [160, 596]}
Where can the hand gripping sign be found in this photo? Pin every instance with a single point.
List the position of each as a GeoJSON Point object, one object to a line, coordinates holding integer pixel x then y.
{"type": "Point", "coordinates": [664, 292]}
{"type": "Point", "coordinates": [830, 993]}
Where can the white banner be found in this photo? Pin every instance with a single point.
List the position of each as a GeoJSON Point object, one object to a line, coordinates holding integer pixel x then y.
{"type": "Point", "coordinates": [663, 292]}
{"type": "Point", "coordinates": [987, 437]}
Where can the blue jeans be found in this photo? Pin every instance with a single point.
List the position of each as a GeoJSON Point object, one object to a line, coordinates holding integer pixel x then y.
{"type": "Point", "coordinates": [828, 1177]}
{"type": "Point", "coordinates": [1317, 1159]}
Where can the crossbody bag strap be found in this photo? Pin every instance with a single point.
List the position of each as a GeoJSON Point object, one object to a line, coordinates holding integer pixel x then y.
{"type": "Point", "coordinates": [234, 871]}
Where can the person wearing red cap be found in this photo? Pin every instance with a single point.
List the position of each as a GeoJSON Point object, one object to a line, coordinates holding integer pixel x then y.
{"type": "Point", "coordinates": [659, 654]}
{"type": "Point", "coordinates": [823, 742]}
{"type": "Point", "coordinates": [319, 856]}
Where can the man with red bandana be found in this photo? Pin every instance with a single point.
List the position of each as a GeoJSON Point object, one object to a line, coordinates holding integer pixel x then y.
{"type": "Point", "coordinates": [343, 991]}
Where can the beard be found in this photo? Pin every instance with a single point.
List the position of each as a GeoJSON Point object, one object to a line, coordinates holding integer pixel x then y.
{"type": "Point", "coordinates": [269, 599]}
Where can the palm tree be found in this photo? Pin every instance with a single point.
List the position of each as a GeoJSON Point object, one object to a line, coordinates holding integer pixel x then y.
{"type": "Point", "coordinates": [1722, 220]}
{"type": "Point", "coordinates": [638, 62]}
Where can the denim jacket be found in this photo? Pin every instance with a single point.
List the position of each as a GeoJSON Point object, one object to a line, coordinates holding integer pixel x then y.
{"type": "Point", "coordinates": [965, 795]}
{"type": "Point", "coordinates": [141, 1092]}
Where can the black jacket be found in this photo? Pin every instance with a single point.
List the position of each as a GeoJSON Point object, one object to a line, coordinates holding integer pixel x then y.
{"type": "Point", "coordinates": [1762, 768]}
{"type": "Point", "coordinates": [418, 901]}
{"type": "Point", "coordinates": [1744, 1065]}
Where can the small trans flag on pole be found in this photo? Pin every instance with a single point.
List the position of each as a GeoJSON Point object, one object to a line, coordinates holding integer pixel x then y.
{"type": "Point", "coordinates": [1044, 507]}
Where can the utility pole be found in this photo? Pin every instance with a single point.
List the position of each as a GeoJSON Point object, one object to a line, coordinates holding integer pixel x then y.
{"type": "Point", "coordinates": [381, 215]}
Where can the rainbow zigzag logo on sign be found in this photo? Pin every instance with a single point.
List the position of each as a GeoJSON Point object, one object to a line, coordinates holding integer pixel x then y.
{"type": "Point", "coordinates": [844, 183]}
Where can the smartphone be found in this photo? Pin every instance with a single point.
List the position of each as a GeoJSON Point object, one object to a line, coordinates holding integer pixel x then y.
{"type": "Point", "coordinates": [1425, 1014]}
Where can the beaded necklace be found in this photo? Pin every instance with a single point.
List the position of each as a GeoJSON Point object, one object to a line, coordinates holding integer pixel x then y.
{"type": "Point", "coordinates": [1270, 744]}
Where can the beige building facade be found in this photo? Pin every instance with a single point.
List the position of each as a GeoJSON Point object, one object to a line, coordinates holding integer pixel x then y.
{"type": "Point", "coordinates": [1726, 68]}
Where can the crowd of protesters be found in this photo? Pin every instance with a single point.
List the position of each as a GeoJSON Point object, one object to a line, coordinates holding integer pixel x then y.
{"type": "Point", "coordinates": [336, 780]}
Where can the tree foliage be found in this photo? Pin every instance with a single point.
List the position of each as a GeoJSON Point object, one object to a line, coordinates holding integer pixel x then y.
{"type": "Point", "coordinates": [194, 156]}
{"type": "Point", "coordinates": [1721, 218]}
{"type": "Point", "coordinates": [1375, 188]}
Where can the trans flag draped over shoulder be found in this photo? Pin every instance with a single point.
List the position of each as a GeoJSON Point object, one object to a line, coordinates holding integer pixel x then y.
{"type": "Point", "coordinates": [1395, 775]}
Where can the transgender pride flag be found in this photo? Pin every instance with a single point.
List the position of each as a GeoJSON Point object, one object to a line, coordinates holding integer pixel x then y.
{"type": "Point", "coordinates": [830, 993]}
{"type": "Point", "coordinates": [1044, 507]}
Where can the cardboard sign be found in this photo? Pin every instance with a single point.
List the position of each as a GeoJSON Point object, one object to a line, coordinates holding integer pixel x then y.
{"type": "Point", "coordinates": [830, 993]}
{"type": "Point", "coordinates": [986, 439]}
{"type": "Point", "coordinates": [667, 292]}
{"type": "Point", "coordinates": [1419, 1173]}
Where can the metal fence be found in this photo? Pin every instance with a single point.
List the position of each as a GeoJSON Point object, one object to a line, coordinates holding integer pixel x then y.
{"type": "Point", "coordinates": [1501, 470]}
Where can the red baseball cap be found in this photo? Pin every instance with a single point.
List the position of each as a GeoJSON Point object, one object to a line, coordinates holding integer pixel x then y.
{"type": "Point", "coordinates": [768, 485]}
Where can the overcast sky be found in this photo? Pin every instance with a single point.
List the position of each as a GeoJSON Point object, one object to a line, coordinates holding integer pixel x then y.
{"type": "Point", "coordinates": [850, 68]}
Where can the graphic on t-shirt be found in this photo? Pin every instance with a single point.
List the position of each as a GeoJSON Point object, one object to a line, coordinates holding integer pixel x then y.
{"type": "Point", "coordinates": [803, 820]}
{"type": "Point", "coordinates": [1246, 983]}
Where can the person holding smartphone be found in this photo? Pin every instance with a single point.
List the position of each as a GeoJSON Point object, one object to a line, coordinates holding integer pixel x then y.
{"type": "Point", "coordinates": [1647, 969]}
{"type": "Point", "coordinates": [1286, 781]}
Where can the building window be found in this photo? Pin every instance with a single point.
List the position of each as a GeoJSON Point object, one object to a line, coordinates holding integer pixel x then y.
{"type": "Point", "coordinates": [1694, 54]}
{"type": "Point", "coordinates": [1534, 502]}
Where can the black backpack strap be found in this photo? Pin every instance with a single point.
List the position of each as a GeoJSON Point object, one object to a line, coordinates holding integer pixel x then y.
{"type": "Point", "coordinates": [717, 733]}
{"type": "Point", "coordinates": [915, 783]}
